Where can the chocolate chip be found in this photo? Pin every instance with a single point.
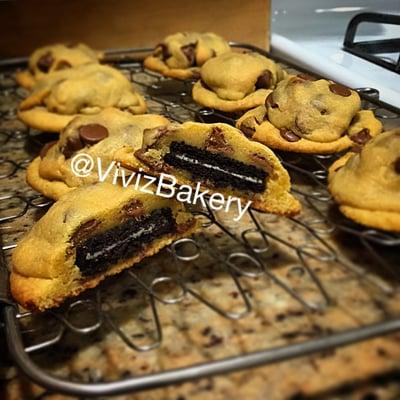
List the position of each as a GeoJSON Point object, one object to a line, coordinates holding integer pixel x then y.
{"type": "Point", "coordinates": [269, 101]}
{"type": "Point", "coordinates": [263, 162]}
{"type": "Point", "coordinates": [300, 125]}
{"type": "Point", "coordinates": [205, 86]}
{"type": "Point", "coordinates": [71, 45]}
{"type": "Point", "coordinates": [295, 80]}
{"type": "Point", "coordinates": [85, 230]}
{"type": "Point", "coordinates": [396, 165]}
{"type": "Point", "coordinates": [134, 208]}
{"type": "Point", "coordinates": [189, 52]}
{"type": "Point", "coordinates": [248, 127]}
{"type": "Point", "coordinates": [63, 64]}
{"type": "Point", "coordinates": [340, 90]}
{"type": "Point", "coordinates": [151, 136]}
{"type": "Point", "coordinates": [289, 135]}
{"type": "Point", "coordinates": [361, 137]}
{"type": "Point", "coordinates": [247, 130]}
{"type": "Point", "coordinates": [157, 165]}
{"type": "Point", "coordinates": [216, 141]}
{"type": "Point", "coordinates": [44, 63]}
{"type": "Point", "coordinates": [355, 119]}
{"type": "Point", "coordinates": [264, 81]}
{"type": "Point", "coordinates": [320, 106]}
{"type": "Point", "coordinates": [355, 149]}
{"type": "Point", "coordinates": [73, 144]}
{"type": "Point", "coordinates": [196, 75]}
{"type": "Point", "coordinates": [46, 148]}
{"type": "Point", "coordinates": [92, 133]}
{"type": "Point", "coordinates": [306, 77]}
{"type": "Point", "coordinates": [162, 49]}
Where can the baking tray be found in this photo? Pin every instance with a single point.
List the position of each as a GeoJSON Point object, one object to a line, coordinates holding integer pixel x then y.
{"type": "Point", "coordinates": [366, 255]}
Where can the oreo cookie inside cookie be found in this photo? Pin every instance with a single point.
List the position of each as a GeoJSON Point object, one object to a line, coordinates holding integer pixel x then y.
{"type": "Point", "coordinates": [219, 169]}
{"type": "Point", "coordinates": [100, 251]}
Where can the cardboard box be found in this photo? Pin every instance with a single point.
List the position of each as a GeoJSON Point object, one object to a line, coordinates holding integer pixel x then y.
{"type": "Point", "coordinates": [102, 24]}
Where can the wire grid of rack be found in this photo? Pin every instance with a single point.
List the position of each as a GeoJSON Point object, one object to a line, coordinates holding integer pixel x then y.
{"type": "Point", "coordinates": [172, 99]}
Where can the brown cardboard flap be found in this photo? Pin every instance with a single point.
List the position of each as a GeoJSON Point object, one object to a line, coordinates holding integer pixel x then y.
{"type": "Point", "coordinates": [26, 25]}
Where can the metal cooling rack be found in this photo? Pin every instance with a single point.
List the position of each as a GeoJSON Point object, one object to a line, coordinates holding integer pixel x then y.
{"type": "Point", "coordinates": [320, 224]}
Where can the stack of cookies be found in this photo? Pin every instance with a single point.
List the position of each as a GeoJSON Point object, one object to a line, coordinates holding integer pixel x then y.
{"type": "Point", "coordinates": [66, 82]}
{"type": "Point", "coordinates": [100, 225]}
{"type": "Point", "coordinates": [296, 113]}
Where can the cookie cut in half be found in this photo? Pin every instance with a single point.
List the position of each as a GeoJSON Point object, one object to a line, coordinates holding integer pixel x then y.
{"type": "Point", "coordinates": [97, 136]}
{"type": "Point", "coordinates": [218, 157]}
{"type": "Point", "coordinates": [91, 233]}
{"type": "Point", "coordinates": [55, 57]}
{"type": "Point", "coordinates": [236, 81]}
{"type": "Point", "coordinates": [180, 55]}
{"type": "Point", "coordinates": [84, 90]}
{"type": "Point", "coordinates": [310, 116]}
{"type": "Point", "coordinates": [366, 184]}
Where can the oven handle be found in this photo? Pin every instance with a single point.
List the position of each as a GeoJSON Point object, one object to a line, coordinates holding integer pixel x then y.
{"type": "Point", "coordinates": [367, 49]}
{"type": "Point", "coordinates": [368, 17]}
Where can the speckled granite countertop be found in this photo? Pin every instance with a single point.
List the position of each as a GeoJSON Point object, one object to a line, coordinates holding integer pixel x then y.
{"type": "Point", "coordinates": [356, 285]}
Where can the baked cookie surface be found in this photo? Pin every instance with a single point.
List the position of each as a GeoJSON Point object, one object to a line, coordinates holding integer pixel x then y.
{"type": "Point", "coordinates": [55, 57]}
{"type": "Point", "coordinates": [180, 55]}
{"type": "Point", "coordinates": [83, 90]}
{"type": "Point", "coordinates": [97, 136]}
{"type": "Point", "coordinates": [236, 81]}
{"type": "Point", "coordinates": [310, 116]}
{"type": "Point", "coordinates": [220, 159]}
{"type": "Point", "coordinates": [91, 233]}
{"type": "Point", "coordinates": [366, 185]}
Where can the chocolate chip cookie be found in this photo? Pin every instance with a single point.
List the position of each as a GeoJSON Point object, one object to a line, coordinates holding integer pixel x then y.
{"type": "Point", "coordinates": [236, 81]}
{"type": "Point", "coordinates": [56, 57]}
{"type": "Point", "coordinates": [366, 184]}
{"type": "Point", "coordinates": [83, 90]}
{"type": "Point", "coordinates": [180, 55]}
{"type": "Point", "coordinates": [98, 136]}
{"type": "Point", "coordinates": [219, 159]}
{"type": "Point", "coordinates": [310, 116]}
{"type": "Point", "coordinates": [92, 232]}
